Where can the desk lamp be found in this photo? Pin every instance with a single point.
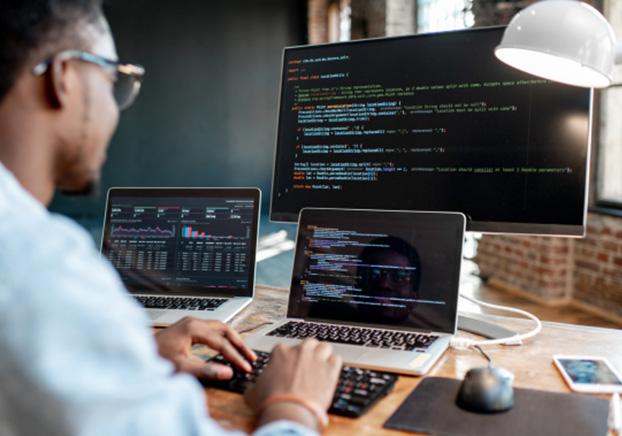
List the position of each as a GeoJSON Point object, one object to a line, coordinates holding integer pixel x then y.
{"type": "Point", "coordinates": [565, 41]}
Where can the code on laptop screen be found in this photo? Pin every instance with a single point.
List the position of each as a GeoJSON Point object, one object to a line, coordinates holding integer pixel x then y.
{"type": "Point", "coordinates": [381, 268]}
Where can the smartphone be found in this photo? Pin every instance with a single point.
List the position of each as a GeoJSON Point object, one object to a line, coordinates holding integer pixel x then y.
{"type": "Point", "coordinates": [590, 374]}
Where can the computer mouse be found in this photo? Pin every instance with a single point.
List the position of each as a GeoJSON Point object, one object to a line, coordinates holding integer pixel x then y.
{"type": "Point", "coordinates": [486, 390]}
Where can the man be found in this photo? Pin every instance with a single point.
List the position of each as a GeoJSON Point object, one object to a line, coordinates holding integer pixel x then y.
{"type": "Point", "coordinates": [391, 271]}
{"type": "Point", "coordinates": [76, 357]}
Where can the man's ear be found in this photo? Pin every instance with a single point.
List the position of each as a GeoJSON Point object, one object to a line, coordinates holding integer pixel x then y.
{"type": "Point", "coordinates": [58, 85]}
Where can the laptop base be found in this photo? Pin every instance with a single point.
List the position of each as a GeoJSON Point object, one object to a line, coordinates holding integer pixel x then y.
{"type": "Point", "coordinates": [226, 311]}
{"type": "Point", "coordinates": [379, 359]}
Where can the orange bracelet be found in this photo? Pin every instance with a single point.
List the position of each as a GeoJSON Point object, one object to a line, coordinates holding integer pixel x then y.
{"type": "Point", "coordinates": [317, 411]}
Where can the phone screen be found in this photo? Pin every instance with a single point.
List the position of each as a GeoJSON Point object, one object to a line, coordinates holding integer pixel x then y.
{"type": "Point", "coordinates": [589, 371]}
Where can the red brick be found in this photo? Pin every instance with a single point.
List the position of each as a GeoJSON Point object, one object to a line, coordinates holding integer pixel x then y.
{"type": "Point", "coordinates": [590, 266]}
{"type": "Point", "coordinates": [592, 229]}
{"type": "Point", "coordinates": [603, 257]}
{"type": "Point", "coordinates": [607, 245]}
{"type": "Point", "coordinates": [561, 250]}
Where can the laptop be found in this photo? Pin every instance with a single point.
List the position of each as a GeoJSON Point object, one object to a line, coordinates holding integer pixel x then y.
{"type": "Point", "coordinates": [184, 251]}
{"type": "Point", "coordinates": [381, 286]}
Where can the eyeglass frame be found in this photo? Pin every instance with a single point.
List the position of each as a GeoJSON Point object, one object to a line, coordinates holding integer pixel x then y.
{"type": "Point", "coordinates": [395, 275]}
{"type": "Point", "coordinates": [135, 71]}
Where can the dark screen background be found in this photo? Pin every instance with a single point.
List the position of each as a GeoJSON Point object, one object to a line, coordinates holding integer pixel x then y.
{"type": "Point", "coordinates": [431, 122]}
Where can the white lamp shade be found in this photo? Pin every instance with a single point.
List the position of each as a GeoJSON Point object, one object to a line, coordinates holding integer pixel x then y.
{"type": "Point", "coordinates": [561, 40]}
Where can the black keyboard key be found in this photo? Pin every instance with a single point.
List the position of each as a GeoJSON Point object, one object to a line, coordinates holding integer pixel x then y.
{"type": "Point", "coordinates": [368, 337]}
{"type": "Point", "coordinates": [357, 389]}
{"type": "Point", "coordinates": [180, 303]}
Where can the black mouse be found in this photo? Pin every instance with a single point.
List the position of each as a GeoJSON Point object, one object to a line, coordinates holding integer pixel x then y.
{"type": "Point", "coordinates": [486, 390]}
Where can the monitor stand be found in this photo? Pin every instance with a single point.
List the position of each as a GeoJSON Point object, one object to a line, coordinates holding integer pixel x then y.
{"type": "Point", "coordinates": [483, 328]}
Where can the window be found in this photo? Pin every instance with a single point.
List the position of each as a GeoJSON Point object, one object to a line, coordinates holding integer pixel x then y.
{"type": "Point", "coordinates": [609, 165]}
{"type": "Point", "coordinates": [438, 15]}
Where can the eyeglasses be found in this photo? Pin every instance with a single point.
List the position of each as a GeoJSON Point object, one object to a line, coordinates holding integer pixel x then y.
{"type": "Point", "coordinates": [394, 275]}
{"type": "Point", "coordinates": [127, 77]}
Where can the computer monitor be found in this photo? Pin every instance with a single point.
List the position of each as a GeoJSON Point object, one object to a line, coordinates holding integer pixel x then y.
{"type": "Point", "coordinates": [431, 122]}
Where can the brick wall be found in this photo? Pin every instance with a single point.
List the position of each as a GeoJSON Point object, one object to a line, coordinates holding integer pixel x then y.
{"type": "Point", "coordinates": [598, 265]}
{"type": "Point", "coordinates": [537, 265]}
{"type": "Point", "coordinates": [585, 272]}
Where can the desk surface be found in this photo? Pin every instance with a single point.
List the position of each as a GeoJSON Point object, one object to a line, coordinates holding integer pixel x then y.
{"type": "Point", "coordinates": [531, 364]}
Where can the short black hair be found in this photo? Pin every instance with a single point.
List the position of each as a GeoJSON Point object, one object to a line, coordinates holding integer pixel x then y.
{"type": "Point", "coordinates": [30, 27]}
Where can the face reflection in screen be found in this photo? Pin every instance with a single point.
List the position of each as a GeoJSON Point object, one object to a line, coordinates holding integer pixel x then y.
{"type": "Point", "coordinates": [390, 273]}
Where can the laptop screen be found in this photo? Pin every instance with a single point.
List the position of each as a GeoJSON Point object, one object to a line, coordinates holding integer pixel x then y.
{"type": "Point", "coordinates": [381, 268]}
{"type": "Point", "coordinates": [183, 241]}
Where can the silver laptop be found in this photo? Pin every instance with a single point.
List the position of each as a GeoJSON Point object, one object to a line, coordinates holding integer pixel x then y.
{"type": "Point", "coordinates": [184, 251]}
{"type": "Point", "coordinates": [381, 286]}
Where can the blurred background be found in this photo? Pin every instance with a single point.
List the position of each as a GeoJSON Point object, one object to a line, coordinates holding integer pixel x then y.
{"type": "Point", "coordinates": [207, 116]}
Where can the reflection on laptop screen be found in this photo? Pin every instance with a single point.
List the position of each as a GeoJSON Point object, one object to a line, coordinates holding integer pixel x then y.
{"type": "Point", "coordinates": [387, 268]}
{"type": "Point", "coordinates": [182, 243]}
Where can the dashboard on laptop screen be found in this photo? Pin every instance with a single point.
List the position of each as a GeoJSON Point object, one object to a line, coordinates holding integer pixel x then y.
{"type": "Point", "coordinates": [189, 242]}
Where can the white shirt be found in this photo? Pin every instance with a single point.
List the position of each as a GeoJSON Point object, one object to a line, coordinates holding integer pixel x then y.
{"type": "Point", "coordinates": [76, 357]}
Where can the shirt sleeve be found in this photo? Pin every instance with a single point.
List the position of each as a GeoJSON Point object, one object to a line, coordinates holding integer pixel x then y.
{"type": "Point", "coordinates": [78, 357]}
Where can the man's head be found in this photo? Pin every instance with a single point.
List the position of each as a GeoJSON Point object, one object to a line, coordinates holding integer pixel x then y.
{"type": "Point", "coordinates": [69, 100]}
{"type": "Point", "coordinates": [391, 268]}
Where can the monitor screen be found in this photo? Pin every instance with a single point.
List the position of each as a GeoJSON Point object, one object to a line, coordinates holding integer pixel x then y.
{"type": "Point", "coordinates": [394, 269]}
{"type": "Point", "coordinates": [431, 122]}
{"type": "Point", "coordinates": [190, 241]}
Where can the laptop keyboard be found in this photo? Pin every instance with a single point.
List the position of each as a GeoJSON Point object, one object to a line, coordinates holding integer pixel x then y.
{"type": "Point", "coordinates": [180, 303]}
{"type": "Point", "coordinates": [357, 390]}
{"type": "Point", "coordinates": [368, 337]}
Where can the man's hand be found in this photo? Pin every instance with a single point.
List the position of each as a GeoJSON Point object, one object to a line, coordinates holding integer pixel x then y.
{"type": "Point", "coordinates": [309, 370]}
{"type": "Point", "coordinates": [175, 343]}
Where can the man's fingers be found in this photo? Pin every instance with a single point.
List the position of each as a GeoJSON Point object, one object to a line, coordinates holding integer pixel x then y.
{"type": "Point", "coordinates": [230, 353]}
{"type": "Point", "coordinates": [203, 370]}
{"type": "Point", "coordinates": [214, 337]}
{"type": "Point", "coordinates": [237, 341]}
{"type": "Point", "coordinates": [217, 371]}
{"type": "Point", "coordinates": [324, 350]}
{"type": "Point", "coordinates": [221, 344]}
{"type": "Point", "coordinates": [336, 362]}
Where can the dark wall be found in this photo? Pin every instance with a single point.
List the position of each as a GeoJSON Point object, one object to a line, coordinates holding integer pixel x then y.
{"type": "Point", "coordinates": [207, 112]}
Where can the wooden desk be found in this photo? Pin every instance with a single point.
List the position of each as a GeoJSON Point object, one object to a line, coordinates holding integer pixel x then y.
{"type": "Point", "coordinates": [531, 364]}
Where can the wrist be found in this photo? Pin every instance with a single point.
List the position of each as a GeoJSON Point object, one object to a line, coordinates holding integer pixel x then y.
{"type": "Point", "coordinates": [291, 412]}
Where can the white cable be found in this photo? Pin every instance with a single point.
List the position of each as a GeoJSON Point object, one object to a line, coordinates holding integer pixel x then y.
{"type": "Point", "coordinates": [457, 342]}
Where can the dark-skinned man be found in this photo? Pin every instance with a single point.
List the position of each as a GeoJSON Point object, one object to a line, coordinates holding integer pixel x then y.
{"type": "Point", "coordinates": [67, 367]}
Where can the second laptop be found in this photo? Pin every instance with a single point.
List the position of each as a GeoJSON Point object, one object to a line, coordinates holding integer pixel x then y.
{"type": "Point", "coordinates": [381, 286]}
